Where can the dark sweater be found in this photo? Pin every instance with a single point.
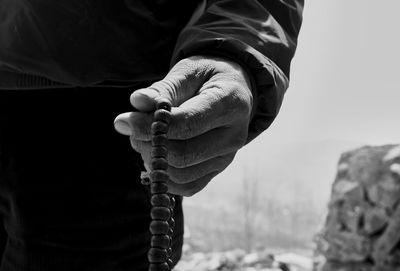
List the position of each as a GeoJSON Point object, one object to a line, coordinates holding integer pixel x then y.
{"type": "Point", "coordinates": [70, 195]}
{"type": "Point", "coordinates": [70, 191]}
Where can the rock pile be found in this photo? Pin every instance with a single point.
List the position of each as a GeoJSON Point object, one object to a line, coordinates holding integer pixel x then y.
{"type": "Point", "coordinates": [362, 229]}
{"type": "Point", "coordinates": [239, 260]}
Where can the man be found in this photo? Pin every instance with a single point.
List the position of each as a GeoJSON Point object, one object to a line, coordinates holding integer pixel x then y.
{"type": "Point", "coordinates": [70, 192]}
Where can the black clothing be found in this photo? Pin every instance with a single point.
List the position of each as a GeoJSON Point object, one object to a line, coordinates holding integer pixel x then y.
{"type": "Point", "coordinates": [70, 191]}
{"type": "Point", "coordinates": [70, 194]}
{"type": "Point", "coordinates": [122, 42]}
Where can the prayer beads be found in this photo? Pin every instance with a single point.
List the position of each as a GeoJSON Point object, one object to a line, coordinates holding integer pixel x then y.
{"type": "Point", "coordinates": [163, 203]}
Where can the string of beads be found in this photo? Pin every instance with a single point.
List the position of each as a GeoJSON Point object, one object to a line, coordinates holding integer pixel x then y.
{"type": "Point", "coordinates": [162, 210]}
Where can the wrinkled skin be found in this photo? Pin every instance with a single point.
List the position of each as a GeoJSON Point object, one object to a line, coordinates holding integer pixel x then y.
{"type": "Point", "coordinates": [212, 103]}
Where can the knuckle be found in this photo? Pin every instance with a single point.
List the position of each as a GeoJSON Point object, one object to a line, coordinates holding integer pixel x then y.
{"type": "Point", "coordinates": [167, 86]}
{"type": "Point", "coordinates": [182, 127]}
{"type": "Point", "coordinates": [242, 100]}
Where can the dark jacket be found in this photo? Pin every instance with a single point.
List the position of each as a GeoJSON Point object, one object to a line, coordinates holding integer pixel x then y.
{"type": "Point", "coordinates": [87, 42]}
{"type": "Point", "coordinates": [93, 43]}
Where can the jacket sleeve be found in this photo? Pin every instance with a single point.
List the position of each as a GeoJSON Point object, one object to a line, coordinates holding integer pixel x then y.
{"type": "Point", "coordinates": [261, 35]}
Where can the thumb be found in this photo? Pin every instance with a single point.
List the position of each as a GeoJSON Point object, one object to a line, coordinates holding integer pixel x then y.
{"type": "Point", "coordinates": [145, 99]}
{"type": "Point", "coordinates": [181, 83]}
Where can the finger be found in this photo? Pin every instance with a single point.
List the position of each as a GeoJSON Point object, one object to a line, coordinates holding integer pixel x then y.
{"type": "Point", "coordinates": [189, 189]}
{"type": "Point", "coordinates": [122, 124]}
{"type": "Point", "coordinates": [185, 153]}
{"type": "Point", "coordinates": [192, 173]}
{"type": "Point", "coordinates": [181, 83]}
{"type": "Point", "coordinates": [209, 110]}
{"type": "Point", "coordinates": [135, 124]}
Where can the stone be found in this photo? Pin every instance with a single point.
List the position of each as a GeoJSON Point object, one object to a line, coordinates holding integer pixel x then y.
{"type": "Point", "coordinates": [392, 154]}
{"type": "Point", "coordinates": [389, 239]}
{"type": "Point", "coordinates": [386, 193]}
{"type": "Point", "coordinates": [395, 169]}
{"type": "Point", "coordinates": [346, 246]}
{"type": "Point", "coordinates": [362, 228]}
{"type": "Point", "coordinates": [338, 266]}
{"type": "Point", "coordinates": [375, 219]}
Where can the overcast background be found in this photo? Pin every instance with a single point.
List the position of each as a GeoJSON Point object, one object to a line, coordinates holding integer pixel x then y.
{"type": "Point", "coordinates": [344, 93]}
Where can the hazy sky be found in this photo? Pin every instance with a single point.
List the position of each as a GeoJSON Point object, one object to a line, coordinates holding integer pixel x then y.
{"type": "Point", "coordinates": [344, 92]}
{"type": "Point", "coordinates": [345, 75]}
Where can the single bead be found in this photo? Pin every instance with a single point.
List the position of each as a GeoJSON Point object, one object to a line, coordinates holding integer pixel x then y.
{"type": "Point", "coordinates": [159, 163]}
{"type": "Point", "coordinates": [159, 267]}
{"type": "Point", "coordinates": [170, 263]}
{"type": "Point", "coordinates": [160, 213]}
{"type": "Point", "coordinates": [171, 223]}
{"type": "Point", "coordinates": [159, 127]}
{"type": "Point", "coordinates": [158, 188]}
{"type": "Point", "coordinates": [173, 201]}
{"type": "Point", "coordinates": [159, 227]}
{"type": "Point", "coordinates": [162, 115]}
{"type": "Point", "coordinates": [157, 255]}
{"type": "Point", "coordinates": [160, 241]}
{"type": "Point", "coordinates": [159, 176]}
{"type": "Point", "coordinates": [164, 104]}
{"type": "Point", "coordinates": [159, 151]}
{"type": "Point", "coordinates": [159, 140]}
{"type": "Point", "coordinates": [160, 200]}
{"type": "Point", "coordinates": [145, 178]}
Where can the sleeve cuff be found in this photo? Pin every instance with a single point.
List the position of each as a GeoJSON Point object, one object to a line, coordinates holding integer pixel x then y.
{"type": "Point", "coordinates": [269, 83]}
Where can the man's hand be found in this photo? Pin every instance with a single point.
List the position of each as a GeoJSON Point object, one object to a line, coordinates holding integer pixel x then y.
{"type": "Point", "coordinates": [212, 103]}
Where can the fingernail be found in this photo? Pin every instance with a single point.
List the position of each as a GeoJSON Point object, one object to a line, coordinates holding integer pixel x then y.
{"type": "Point", "coordinates": [122, 127]}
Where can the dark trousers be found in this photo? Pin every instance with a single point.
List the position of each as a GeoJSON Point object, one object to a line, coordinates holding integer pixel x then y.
{"type": "Point", "coordinates": [70, 192]}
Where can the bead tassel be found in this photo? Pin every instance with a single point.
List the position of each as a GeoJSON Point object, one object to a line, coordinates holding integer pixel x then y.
{"type": "Point", "coordinates": [162, 211]}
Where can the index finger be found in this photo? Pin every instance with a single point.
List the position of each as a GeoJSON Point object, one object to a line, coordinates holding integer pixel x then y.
{"type": "Point", "coordinates": [196, 116]}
